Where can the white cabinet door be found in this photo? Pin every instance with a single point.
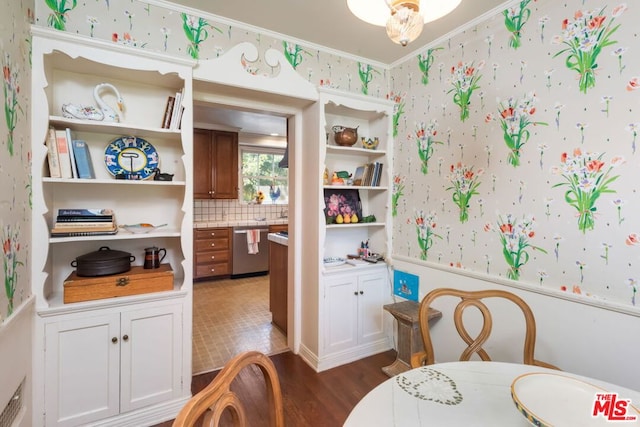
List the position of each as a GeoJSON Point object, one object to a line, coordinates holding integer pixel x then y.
{"type": "Point", "coordinates": [340, 313]}
{"type": "Point", "coordinates": [371, 298]}
{"type": "Point", "coordinates": [82, 370]}
{"type": "Point", "coordinates": [151, 356]}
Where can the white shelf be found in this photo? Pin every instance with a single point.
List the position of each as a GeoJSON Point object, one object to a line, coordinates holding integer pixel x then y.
{"type": "Point", "coordinates": [354, 151]}
{"type": "Point", "coordinates": [355, 187]}
{"type": "Point", "coordinates": [115, 127]}
{"type": "Point", "coordinates": [121, 235]}
{"type": "Point", "coordinates": [357, 225]}
{"type": "Point", "coordinates": [112, 182]}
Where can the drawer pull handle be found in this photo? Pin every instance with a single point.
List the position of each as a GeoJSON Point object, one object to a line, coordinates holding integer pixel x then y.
{"type": "Point", "coordinates": [122, 281]}
{"type": "Point", "coordinates": [213, 244]}
{"type": "Point", "coordinates": [213, 257]}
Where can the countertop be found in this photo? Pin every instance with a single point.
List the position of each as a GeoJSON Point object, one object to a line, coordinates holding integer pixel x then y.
{"type": "Point", "coordinates": [239, 222]}
{"type": "Point", "coordinates": [278, 238]}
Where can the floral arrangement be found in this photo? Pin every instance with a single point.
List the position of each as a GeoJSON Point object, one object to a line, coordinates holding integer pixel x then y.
{"type": "Point", "coordinates": [514, 237]}
{"type": "Point", "coordinates": [396, 193]}
{"type": "Point", "coordinates": [398, 109]}
{"type": "Point", "coordinates": [259, 197]}
{"type": "Point", "coordinates": [464, 184]}
{"type": "Point", "coordinates": [425, 226]}
{"type": "Point", "coordinates": [425, 61]}
{"type": "Point", "coordinates": [464, 79]}
{"type": "Point", "coordinates": [425, 135]}
{"type": "Point", "coordinates": [58, 18]}
{"type": "Point", "coordinates": [11, 89]}
{"type": "Point", "coordinates": [293, 52]}
{"type": "Point", "coordinates": [587, 178]}
{"type": "Point", "coordinates": [10, 249]}
{"type": "Point", "coordinates": [515, 117]}
{"type": "Point", "coordinates": [196, 31]}
{"type": "Point", "coordinates": [584, 37]}
{"type": "Point", "coordinates": [514, 19]}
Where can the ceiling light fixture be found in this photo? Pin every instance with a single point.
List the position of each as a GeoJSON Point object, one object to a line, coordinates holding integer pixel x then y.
{"type": "Point", "coordinates": [404, 19]}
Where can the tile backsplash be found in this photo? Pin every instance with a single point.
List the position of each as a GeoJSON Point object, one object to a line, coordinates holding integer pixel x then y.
{"type": "Point", "coordinates": [206, 210]}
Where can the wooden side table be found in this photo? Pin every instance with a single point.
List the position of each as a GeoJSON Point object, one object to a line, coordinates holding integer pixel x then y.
{"type": "Point", "coordinates": [409, 338]}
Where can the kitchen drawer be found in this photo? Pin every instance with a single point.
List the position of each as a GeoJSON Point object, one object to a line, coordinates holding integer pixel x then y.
{"type": "Point", "coordinates": [211, 233]}
{"type": "Point", "coordinates": [213, 269]}
{"type": "Point", "coordinates": [208, 257]}
{"type": "Point", "coordinates": [210, 244]}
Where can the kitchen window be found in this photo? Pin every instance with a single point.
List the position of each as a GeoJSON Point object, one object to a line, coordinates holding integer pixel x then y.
{"type": "Point", "coordinates": [260, 172]}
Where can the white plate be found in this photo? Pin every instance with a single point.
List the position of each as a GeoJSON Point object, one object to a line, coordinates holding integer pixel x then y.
{"type": "Point", "coordinates": [333, 261]}
{"type": "Point", "coordinates": [557, 400]}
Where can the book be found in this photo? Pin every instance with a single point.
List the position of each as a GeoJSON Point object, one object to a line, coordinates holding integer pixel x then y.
{"type": "Point", "coordinates": [168, 112]}
{"type": "Point", "coordinates": [52, 154]}
{"type": "Point", "coordinates": [83, 218]}
{"type": "Point", "coordinates": [85, 212]}
{"type": "Point", "coordinates": [83, 233]}
{"type": "Point", "coordinates": [177, 109]}
{"type": "Point", "coordinates": [72, 157]}
{"type": "Point", "coordinates": [83, 159]}
{"type": "Point", "coordinates": [84, 224]}
{"type": "Point", "coordinates": [63, 154]}
{"type": "Point", "coordinates": [357, 176]}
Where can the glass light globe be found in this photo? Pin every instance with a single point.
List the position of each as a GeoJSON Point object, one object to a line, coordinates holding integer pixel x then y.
{"type": "Point", "coordinates": [404, 26]}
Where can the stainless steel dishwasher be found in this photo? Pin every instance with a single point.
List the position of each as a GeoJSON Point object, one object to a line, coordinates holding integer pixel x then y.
{"type": "Point", "coordinates": [245, 262]}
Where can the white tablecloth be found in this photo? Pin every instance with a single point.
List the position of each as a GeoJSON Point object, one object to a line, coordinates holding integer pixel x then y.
{"type": "Point", "coordinates": [457, 394]}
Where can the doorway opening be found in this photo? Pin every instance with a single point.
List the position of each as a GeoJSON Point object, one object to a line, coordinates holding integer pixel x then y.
{"type": "Point", "coordinates": [233, 315]}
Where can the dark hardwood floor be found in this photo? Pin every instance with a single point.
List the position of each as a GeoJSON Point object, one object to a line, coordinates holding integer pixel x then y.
{"type": "Point", "coordinates": [310, 399]}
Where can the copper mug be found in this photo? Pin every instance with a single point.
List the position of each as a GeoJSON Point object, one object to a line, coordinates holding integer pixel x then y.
{"type": "Point", "coordinates": [152, 256]}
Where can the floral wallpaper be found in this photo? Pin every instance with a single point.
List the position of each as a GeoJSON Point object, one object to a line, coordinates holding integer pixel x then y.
{"type": "Point", "coordinates": [515, 153]}
{"type": "Point", "coordinates": [515, 139]}
{"type": "Point", "coordinates": [15, 156]}
{"type": "Point", "coordinates": [147, 26]}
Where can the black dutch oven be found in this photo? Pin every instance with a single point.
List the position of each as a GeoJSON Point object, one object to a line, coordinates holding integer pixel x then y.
{"type": "Point", "coordinates": [103, 262]}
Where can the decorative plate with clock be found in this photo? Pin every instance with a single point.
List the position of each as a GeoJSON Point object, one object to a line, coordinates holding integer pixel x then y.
{"type": "Point", "coordinates": [129, 157]}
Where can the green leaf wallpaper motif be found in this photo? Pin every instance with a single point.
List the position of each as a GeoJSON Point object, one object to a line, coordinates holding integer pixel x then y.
{"type": "Point", "coordinates": [514, 19]}
{"type": "Point", "coordinates": [60, 8]}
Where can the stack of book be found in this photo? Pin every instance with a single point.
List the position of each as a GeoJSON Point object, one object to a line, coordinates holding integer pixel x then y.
{"type": "Point", "coordinates": [173, 111]}
{"type": "Point", "coordinates": [368, 175]}
{"type": "Point", "coordinates": [84, 222]}
{"type": "Point", "coordinates": [68, 157]}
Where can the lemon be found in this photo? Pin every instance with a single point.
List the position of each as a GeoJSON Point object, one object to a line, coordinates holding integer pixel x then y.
{"type": "Point", "coordinates": [339, 219]}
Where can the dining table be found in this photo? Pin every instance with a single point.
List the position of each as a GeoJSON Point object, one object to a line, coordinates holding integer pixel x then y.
{"type": "Point", "coordinates": [479, 393]}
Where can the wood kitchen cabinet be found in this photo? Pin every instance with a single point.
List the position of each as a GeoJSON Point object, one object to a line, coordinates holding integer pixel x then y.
{"type": "Point", "coordinates": [215, 164]}
{"type": "Point", "coordinates": [212, 252]}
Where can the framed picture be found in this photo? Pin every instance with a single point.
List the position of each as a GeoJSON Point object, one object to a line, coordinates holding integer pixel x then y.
{"type": "Point", "coordinates": [341, 202]}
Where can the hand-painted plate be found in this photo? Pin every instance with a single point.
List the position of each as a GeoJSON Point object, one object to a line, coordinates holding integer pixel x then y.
{"type": "Point", "coordinates": [548, 400]}
{"type": "Point", "coordinates": [131, 158]}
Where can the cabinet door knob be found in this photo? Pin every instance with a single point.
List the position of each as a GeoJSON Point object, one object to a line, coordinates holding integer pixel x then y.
{"type": "Point", "coordinates": [356, 293]}
{"type": "Point", "coordinates": [213, 257]}
{"type": "Point", "coordinates": [361, 292]}
{"type": "Point", "coordinates": [125, 337]}
{"type": "Point", "coordinates": [213, 244]}
{"type": "Point", "coordinates": [114, 340]}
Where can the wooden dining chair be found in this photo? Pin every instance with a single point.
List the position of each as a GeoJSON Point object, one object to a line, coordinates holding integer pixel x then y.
{"type": "Point", "coordinates": [474, 345]}
{"type": "Point", "coordinates": [217, 397]}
